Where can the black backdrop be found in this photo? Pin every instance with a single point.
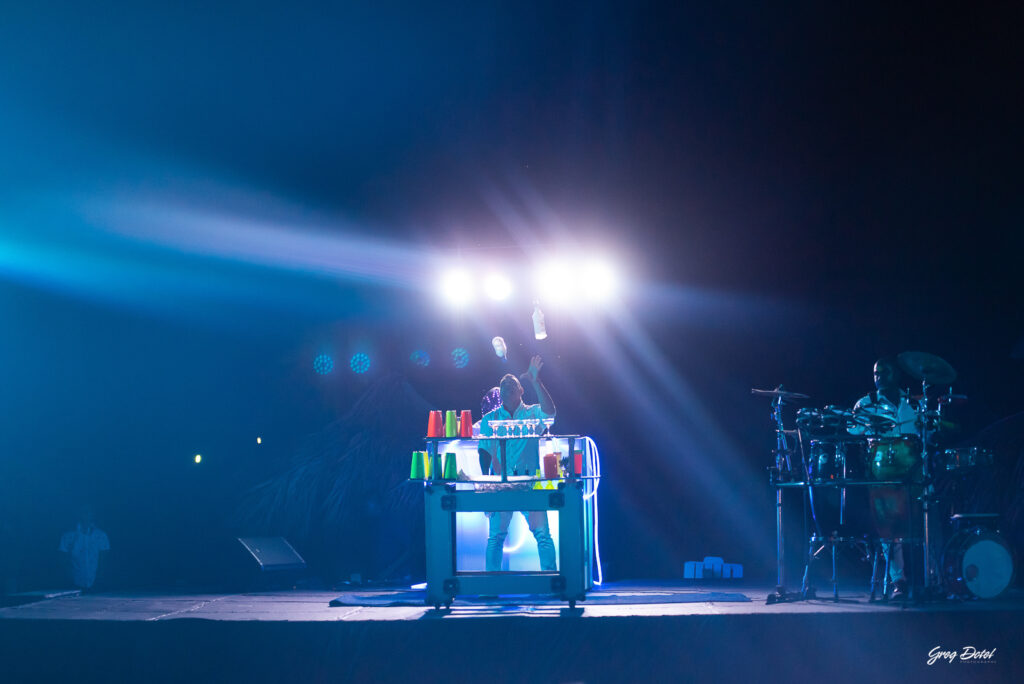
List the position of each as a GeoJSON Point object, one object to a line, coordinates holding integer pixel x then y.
{"type": "Point", "coordinates": [792, 194]}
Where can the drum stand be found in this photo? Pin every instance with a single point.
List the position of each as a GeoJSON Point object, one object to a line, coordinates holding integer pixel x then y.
{"type": "Point", "coordinates": [928, 588]}
{"type": "Point", "coordinates": [876, 551]}
{"type": "Point", "coordinates": [783, 464]}
{"type": "Point", "coordinates": [832, 542]}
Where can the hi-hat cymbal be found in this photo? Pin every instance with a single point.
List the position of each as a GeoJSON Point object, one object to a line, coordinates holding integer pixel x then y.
{"type": "Point", "coordinates": [927, 367]}
{"type": "Point", "coordinates": [779, 393]}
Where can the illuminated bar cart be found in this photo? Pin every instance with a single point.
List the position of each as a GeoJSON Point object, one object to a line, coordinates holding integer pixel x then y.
{"type": "Point", "coordinates": [456, 529]}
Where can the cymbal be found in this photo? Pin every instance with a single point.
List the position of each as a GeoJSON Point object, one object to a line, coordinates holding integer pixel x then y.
{"type": "Point", "coordinates": [837, 412]}
{"type": "Point", "coordinates": [874, 421]}
{"type": "Point", "coordinates": [779, 393]}
{"type": "Point", "coordinates": [927, 367]}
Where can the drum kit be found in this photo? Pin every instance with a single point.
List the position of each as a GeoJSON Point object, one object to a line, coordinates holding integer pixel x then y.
{"type": "Point", "coordinates": [868, 476]}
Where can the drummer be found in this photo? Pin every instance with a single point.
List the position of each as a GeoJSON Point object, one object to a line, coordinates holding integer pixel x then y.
{"type": "Point", "coordinates": [898, 417]}
{"type": "Point", "coordinates": [887, 401]}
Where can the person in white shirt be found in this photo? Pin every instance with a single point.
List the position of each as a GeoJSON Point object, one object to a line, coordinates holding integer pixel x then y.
{"type": "Point", "coordinates": [83, 545]}
{"type": "Point", "coordinates": [522, 457]}
{"type": "Point", "coordinates": [887, 401]}
{"type": "Point", "coordinates": [888, 504]}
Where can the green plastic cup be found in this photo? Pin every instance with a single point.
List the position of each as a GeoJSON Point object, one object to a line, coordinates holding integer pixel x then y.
{"type": "Point", "coordinates": [416, 468]}
{"type": "Point", "coordinates": [451, 467]}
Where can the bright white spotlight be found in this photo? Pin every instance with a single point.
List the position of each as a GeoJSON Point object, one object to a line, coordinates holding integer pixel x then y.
{"type": "Point", "coordinates": [457, 287]}
{"type": "Point", "coordinates": [555, 283]}
{"type": "Point", "coordinates": [600, 281]}
{"type": "Point", "coordinates": [497, 286]}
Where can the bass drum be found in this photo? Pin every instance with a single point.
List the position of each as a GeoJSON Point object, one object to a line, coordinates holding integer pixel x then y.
{"type": "Point", "coordinates": [977, 562]}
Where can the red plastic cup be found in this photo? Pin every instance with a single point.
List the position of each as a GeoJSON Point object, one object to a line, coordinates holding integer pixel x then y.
{"type": "Point", "coordinates": [466, 424]}
{"type": "Point", "coordinates": [551, 466]}
{"type": "Point", "coordinates": [577, 462]}
{"type": "Point", "coordinates": [435, 424]}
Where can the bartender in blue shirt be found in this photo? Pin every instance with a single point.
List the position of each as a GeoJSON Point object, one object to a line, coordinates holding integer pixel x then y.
{"type": "Point", "coordinates": [521, 456]}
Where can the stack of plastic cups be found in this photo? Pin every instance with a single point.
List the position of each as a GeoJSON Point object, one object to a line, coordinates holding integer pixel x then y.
{"type": "Point", "coordinates": [451, 467]}
{"type": "Point", "coordinates": [416, 470]}
{"type": "Point", "coordinates": [451, 428]}
{"type": "Point", "coordinates": [466, 425]}
{"type": "Point", "coordinates": [434, 428]}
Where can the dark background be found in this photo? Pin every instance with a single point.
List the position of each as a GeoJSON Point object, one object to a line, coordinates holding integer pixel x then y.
{"type": "Point", "coordinates": [792, 192]}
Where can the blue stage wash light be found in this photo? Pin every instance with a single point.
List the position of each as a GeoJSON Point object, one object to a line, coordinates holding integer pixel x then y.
{"type": "Point", "coordinates": [198, 458]}
{"type": "Point", "coordinates": [460, 357]}
{"type": "Point", "coordinates": [323, 364]}
{"type": "Point", "coordinates": [360, 363]}
{"type": "Point", "coordinates": [420, 358]}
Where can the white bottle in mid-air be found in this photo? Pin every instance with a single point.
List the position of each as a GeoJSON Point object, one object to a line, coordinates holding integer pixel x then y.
{"type": "Point", "coordinates": [539, 331]}
{"type": "Point", "coordinates": [499, 348]}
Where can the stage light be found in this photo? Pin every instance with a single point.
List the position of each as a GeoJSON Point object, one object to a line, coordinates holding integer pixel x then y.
{"type": "Point", "coordinates": [460, 357]}
{"type": "Point", "coordinates": [259, 440]}
{"type": "Point", "coordinates": [420, 358]}
{"type": "Point", "coordinates": [497, 286]}
{"type": "Point", "coordinates": [555, 284]}
{"type": "Point", "coordinates": [198, 458]}
{"type": "Point", "coordinates": [359, 363]}
{"type": "Point", "coordinates": [600, 281]}
{"type": "Point", "coordinates": [457, 287]}
{"type": "Point", "coordinates": [323, 364]}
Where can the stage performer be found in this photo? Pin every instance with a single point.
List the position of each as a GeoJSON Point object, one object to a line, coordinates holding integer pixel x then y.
{"type": "Point", "coordinates": [522, 457]}
{"type": "Point", "coordinates": [888, 504]}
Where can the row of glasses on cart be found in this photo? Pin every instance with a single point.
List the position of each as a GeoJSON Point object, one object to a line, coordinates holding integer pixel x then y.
{"type": "Point", "coordinates": [527, 427]}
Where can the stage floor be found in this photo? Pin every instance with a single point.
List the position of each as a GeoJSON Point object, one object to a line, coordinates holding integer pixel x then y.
{"type": "Point", "coordinates": [314, 606]}
{"type": "Point", "coordinates": [623, 633]}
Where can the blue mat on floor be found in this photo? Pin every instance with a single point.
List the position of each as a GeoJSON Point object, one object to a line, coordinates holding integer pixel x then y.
{"type": "Point", "coordinates": [618, 596]}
